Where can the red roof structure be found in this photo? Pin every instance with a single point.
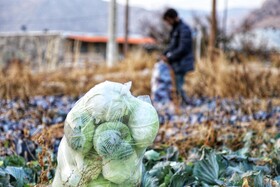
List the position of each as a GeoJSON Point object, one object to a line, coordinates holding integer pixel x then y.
{"type": "Point", "coordinates": [104, 39]}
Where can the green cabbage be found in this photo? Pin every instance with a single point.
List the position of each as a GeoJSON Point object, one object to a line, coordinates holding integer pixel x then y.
{"type": "Point", "coordinates": [75, 169]}
{"type": "Point", "coordinates": [79, 131]}
{"type": "Point", "coordinates": [106, 135]}
{"type": "Point", "coordinates": [112, 141]}
{"type": "Point", "coordinates": [109, 144]}
{"type": "Point", "coordinates": [107, 101]}
{"type": "Point", "coordinates": [118, 126]}
{"type": "Point", "coordinates": [143, 123]}
{"type": "Point", "coordinates": [120, 171]}
{"type": "Point", "coordinates": [101, 182]}
{"type": "Point", "coordinates": [66, 174]}
{"type": "Point", "coordinates": [70, 176]}
{"type": "Point", "coordinates": [90, 167]}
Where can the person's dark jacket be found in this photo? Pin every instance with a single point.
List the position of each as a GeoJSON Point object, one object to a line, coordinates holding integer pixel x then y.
{"type": "Point", "coordinates": [179, 51]}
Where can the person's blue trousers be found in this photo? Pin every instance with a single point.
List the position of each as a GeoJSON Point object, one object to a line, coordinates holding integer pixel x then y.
{"type": "Point", "coordinates": [179, 78]}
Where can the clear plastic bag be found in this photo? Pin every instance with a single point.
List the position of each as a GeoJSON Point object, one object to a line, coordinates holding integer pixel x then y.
{"type": "Point", "coordinates": [161, 82]}
{"type": "Point", "coordinates": [106, 135]}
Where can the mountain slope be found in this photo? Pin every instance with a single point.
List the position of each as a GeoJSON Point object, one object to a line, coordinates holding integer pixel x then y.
{"type": "Point", "coordinates": [267, 16]}
{"type": "Point", "coordinates": [75, 15]}
{"type": "Point", "coordinates": [90, 16]}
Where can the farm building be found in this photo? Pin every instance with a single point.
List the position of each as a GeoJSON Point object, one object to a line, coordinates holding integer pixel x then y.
{"type": "Point", "coordinates": [55, 48]}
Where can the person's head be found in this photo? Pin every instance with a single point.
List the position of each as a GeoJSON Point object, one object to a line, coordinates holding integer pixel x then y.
{"type": "Point", "coordinates": [170, 16]}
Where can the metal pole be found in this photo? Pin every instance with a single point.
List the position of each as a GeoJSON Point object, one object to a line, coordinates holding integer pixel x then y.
{"type": "Point", "coordinates": [111, 54]}
{"type": "Point", "coordinates": [126, 28]}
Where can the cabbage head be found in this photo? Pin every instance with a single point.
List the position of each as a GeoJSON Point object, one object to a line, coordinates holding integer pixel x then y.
{"type": "Point", "coordinates": [117, 126]}
{"type": "Point", "coordinates": [79, 130]}
{"type": "Point", "coordinates": [75, 169]}
{"type": "Point", "coordinates": [70, 176]}
{"type": "Point", "coordinates": [109, 145]}
{"type": "Point", "coordinates": [112, 140]}
{"type": "Point", "coordinates": [122, 171]}
{"type": "Point", "coordinates": [66, 173]}
{"type": "Point", "coordinates": [107, 101]}
{"type": "Point", "coordinates": [89, 166]}
{"type": "Point", "coordinates": [143, 123]}
{"type": "Point", "coordinates": [101, 182]}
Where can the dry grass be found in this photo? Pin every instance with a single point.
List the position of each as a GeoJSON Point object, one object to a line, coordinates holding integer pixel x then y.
{"type": "Point", "coordinates": [275, 60]}
{"type": "Point", "coordinates": [219, 78]}
{"type": "Point", "coordinates": [215, 135]}
{"type": "Point", "coordinates": [16, 81]}
{"type": "Point", "coordinates": [19, 82]}
{"type": "Point", "coordinates": [224, 79]}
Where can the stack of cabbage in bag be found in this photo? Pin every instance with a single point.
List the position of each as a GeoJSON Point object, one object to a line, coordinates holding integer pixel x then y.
{"type": "Point", "coordinates": [161, 84]}
{"type": "Point", "coordinates": [106, 134]}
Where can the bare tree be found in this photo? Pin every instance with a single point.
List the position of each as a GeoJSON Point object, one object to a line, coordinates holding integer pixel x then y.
{"type": "Point", "coordinates": [156, 28]}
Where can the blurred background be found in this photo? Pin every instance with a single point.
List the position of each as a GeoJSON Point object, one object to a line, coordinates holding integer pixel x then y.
{"type": "Point", "coordinates": [54, 33]}
{"type": "Point", "coordinates": [51, 36]}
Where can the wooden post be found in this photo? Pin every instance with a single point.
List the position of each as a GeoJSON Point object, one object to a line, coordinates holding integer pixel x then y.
{"type": "Point", "coordinates": [213, 34]}
{"type": "Point", "coordinates": [225, 22]}
{"type": "Point", "coordinates": [77, 47]}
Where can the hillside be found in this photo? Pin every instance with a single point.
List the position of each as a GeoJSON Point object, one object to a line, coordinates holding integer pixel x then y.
{"type": "Point", "coordinates": [267, 16]}
{"type": "Point", "coordinates": [235, 16]}
{"type": "Point", "coordinates": [90, 16]}
{"type": "Point", "coordinates": [77, 15]}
